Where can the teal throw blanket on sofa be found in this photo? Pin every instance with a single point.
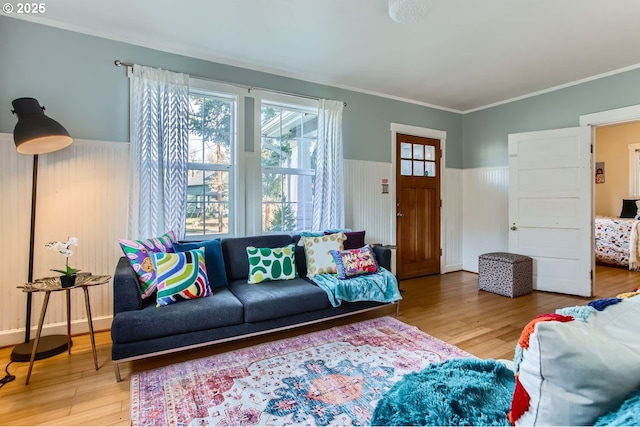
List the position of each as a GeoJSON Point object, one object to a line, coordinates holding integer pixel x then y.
{"type": "Point", "coordinates": [380, 287]}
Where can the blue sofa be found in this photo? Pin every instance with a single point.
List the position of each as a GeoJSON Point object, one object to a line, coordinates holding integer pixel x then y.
{"type": "Point", "coordinates": [238, 310]}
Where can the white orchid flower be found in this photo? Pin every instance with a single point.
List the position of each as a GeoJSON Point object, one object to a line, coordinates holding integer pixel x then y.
{"type": "Point", "coordinates": [63, 248]}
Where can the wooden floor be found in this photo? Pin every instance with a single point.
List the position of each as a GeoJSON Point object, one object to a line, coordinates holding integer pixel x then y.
{"type": "Point", "coordinates": [67, 390]}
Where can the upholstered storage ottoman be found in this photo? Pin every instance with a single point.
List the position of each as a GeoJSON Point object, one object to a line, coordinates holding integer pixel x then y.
{"type": "Point", "coordinates": [505, 274]}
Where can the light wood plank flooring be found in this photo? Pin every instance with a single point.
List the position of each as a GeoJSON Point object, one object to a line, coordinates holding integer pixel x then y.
{"type": "Point", "coordinates": [66, 390]}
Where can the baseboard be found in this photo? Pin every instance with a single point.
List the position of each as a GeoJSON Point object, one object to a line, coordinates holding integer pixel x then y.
{"type": "Point", "coordinates": [16, 336]}
{"type": "Point", "coordinates": [451, 268]}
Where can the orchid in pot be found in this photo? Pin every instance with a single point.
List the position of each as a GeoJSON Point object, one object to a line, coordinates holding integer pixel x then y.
{"type": "Point", "coordinates": [68, 278]}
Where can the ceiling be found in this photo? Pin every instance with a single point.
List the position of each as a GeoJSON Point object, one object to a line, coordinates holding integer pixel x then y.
{"type": "Point", "coordinates": [465, 55]}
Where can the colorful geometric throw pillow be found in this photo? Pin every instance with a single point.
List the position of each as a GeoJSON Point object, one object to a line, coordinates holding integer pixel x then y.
{"type": "Point", "coordinates": [181, 276]}
{"type": "Point", "coordinates": [138, 252]}
{"type": "Point", "coordinates": [212, 258]}
{"type": "Point", "coordinates": [319, 259]}
{"type": "Point", "coordinates": [271, 263]}
{"type": "Point", "coordinates": [355, 262]}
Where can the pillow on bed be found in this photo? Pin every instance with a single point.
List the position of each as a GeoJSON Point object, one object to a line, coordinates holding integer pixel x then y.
{"type": "Point", "coordinates": [629, 208]}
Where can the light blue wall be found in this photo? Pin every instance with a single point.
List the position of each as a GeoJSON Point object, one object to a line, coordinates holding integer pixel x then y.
{"type": "Point", "coordinates": [485, 132]}
{"type": "Point", "coordinates": [74, 77]}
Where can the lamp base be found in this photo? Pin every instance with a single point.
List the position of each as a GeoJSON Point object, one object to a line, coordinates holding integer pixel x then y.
{"type": "Point", "coordinates": [48, 346]}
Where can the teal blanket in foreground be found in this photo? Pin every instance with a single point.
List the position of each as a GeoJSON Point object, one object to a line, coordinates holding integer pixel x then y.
{"type": "Point", "coordinates": [380, 287]}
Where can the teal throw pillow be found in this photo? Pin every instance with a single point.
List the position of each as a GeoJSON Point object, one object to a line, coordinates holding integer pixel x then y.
{"type": "Point", "coordinates": [271, 263]}
{"type": "Point", "coordinates": [213, 259]}
{"type": "Point", "coordinates": [181, 276]}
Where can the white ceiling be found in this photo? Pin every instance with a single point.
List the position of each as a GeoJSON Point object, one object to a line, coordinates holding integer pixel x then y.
{"type": "Point", "coordinates": [465, 55]}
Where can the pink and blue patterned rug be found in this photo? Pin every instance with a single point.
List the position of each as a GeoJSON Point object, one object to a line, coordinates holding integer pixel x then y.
{"type": "Point", "coordinates": [332, 377]}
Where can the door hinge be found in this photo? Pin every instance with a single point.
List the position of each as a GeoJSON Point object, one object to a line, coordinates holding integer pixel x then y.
{"type": "Point", "coordinates": [591, 275]}
{"type": "Point", "coordinates": [440, 202]}
{"type": "Point", "coordinates": [441, 153]}
{"type": "Point", "coordinates": [591, 148]}
{"type": "Point", "coordinates": [440, 251]}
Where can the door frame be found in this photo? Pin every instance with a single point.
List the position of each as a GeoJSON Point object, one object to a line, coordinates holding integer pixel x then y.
{"type": "Point", "coordinates": [397, 128]}
{"type": "Point", "coordinates": [601, 118]}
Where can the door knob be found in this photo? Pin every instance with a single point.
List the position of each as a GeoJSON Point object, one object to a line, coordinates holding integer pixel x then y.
{"type": "Point", "coordinates": [513, 227]}
{"type": "Point", "coordinates": [399, 214]}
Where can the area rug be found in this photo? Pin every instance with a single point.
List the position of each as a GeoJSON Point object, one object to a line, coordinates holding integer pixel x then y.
{"type": "Point", "coordinates": [330, 377]}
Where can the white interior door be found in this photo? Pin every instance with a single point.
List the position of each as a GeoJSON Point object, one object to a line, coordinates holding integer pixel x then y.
{"type": "Point", "coordinates": [551, 207]}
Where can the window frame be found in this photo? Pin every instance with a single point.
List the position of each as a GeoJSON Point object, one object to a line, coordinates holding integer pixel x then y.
{"type": "Point", "coordinates": [293, 103]}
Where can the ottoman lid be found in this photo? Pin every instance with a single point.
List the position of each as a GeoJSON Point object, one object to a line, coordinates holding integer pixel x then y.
{"type": "Point", "coordinates": [506, 257]}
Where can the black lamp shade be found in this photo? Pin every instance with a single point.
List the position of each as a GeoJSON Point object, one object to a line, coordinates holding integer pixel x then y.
{"type": "Point", "coordinates": [36, 133]}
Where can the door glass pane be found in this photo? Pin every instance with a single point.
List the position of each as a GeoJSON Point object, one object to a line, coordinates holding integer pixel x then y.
{"type": "Point", "coordinates": [418, 151]}
{"type": "Point", "coordinates": [406, 150]}
{"type": "Point", "coordinates": [430, 169]}
{"type": "Point", "coordinates": [406, 168]}
{"type": "Point", "coordinates": [418, 168]}
{"type": "Point", "coordinates": [430, 152]}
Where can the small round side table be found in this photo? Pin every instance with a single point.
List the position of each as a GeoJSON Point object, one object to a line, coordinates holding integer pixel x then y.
{"type": "Point", "coordinates": [52, 284]}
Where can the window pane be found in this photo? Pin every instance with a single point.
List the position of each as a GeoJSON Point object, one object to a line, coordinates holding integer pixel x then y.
{"type": "Point", "coordinates": [288, 145]}
{"type": "Point", "coordinates": [406, 168]}
{"type": "Point", "coordinates": [406, 150]}
{"type": "Point", "coordinates": [430, 152]}
{"type": "Point", "coordinates": [418, 168]}
{"type": "Point", "coordinates": [418, 151]}
{"type": "Point", "coordinates": [207, 202]}
{"type": "Point", "coordinates": [211, 129]}
{"type": "Point", "coordinates": [287, 202]}
{"type": "Point", "coordinates": [430, 169]}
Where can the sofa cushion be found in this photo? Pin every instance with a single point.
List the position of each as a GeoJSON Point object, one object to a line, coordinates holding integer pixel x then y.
{"type": "Point", "coordinates": [138, 252]}
{"type": "Point", "coordinates": [271, 300]}
{"type": "Point", "coordinates": [234, 250]}
{"type": "Point", "coordinates": [212, 258]}
{"type": "Point", "coordinates": [577, 364]}
{"type": "Point", "coordinates": [220, 309]}
{"type": "Point", "coordinates": [266, 264]}
{"type": "Point", "coordinates": [355, 262]}
{"type": "Point", "coordinates": [181, 276]}
{"type": "Point", "coordinates": [319, 259]}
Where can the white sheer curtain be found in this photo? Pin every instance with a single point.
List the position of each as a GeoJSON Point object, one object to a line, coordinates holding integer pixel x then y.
{"type": "Point", "coordinates": [328, 201]}
{"type": "Point", "coordinates": [159, 152]}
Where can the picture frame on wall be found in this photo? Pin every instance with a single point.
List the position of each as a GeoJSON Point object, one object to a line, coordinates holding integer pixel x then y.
{"type": "Point", "coordinates": [599, 172]}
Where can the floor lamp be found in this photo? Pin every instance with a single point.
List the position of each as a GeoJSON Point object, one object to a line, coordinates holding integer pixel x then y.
{"type": "Point", "coordinates": [36, 134]}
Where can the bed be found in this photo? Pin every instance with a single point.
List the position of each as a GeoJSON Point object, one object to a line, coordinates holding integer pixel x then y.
{"type": "Point", "coordinates": [617, 241]}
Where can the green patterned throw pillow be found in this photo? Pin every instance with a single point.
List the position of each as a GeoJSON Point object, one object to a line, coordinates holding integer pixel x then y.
{"type": "Point", "coordinates": [271, 263]}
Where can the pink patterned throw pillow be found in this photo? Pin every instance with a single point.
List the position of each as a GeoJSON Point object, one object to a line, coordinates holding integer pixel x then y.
{"type": "Point", "coordinates": [138, 253]}
{"type": "Point", "coordinates": [355, 262]}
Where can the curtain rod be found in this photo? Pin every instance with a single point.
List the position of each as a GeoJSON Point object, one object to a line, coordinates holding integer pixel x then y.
{"type": "Point", "coordinates": [119, 63]}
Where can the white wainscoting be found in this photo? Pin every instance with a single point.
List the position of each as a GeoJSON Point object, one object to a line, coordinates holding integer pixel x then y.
{"type": "Point", "coordinates": [485, 227]}
{"type": "Point", "coordinates": [452, 245]}
{"type": "Point", "coordinates": [82, 192]}
{"type": "Point", "coordinates": [367, 208]}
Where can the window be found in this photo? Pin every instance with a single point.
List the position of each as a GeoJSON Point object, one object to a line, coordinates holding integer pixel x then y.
{"type": "Point", "coordinates": [288, 136]}
{"type": "Point", "coordinates": [212, 144]}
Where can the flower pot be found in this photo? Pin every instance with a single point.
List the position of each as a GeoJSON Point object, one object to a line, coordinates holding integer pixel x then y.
{"type": "Point", "coordinates": [68, 281]}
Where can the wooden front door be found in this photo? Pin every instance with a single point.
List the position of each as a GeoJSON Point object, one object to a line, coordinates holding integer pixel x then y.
{"type": "Point", "coordinates": [417, 206]}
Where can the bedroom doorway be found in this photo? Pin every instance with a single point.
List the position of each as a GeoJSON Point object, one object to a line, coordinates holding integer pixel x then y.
{"type": "Point", "coordinates": [605, 118]}
{"type": "Point", "coordinates": [601, 123]}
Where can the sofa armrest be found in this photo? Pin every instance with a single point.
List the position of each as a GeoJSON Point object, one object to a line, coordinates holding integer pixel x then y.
{"type": "Point", "coordinates": [126, 293]}
{"type": "Point", "coordinates": [383, 256]}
